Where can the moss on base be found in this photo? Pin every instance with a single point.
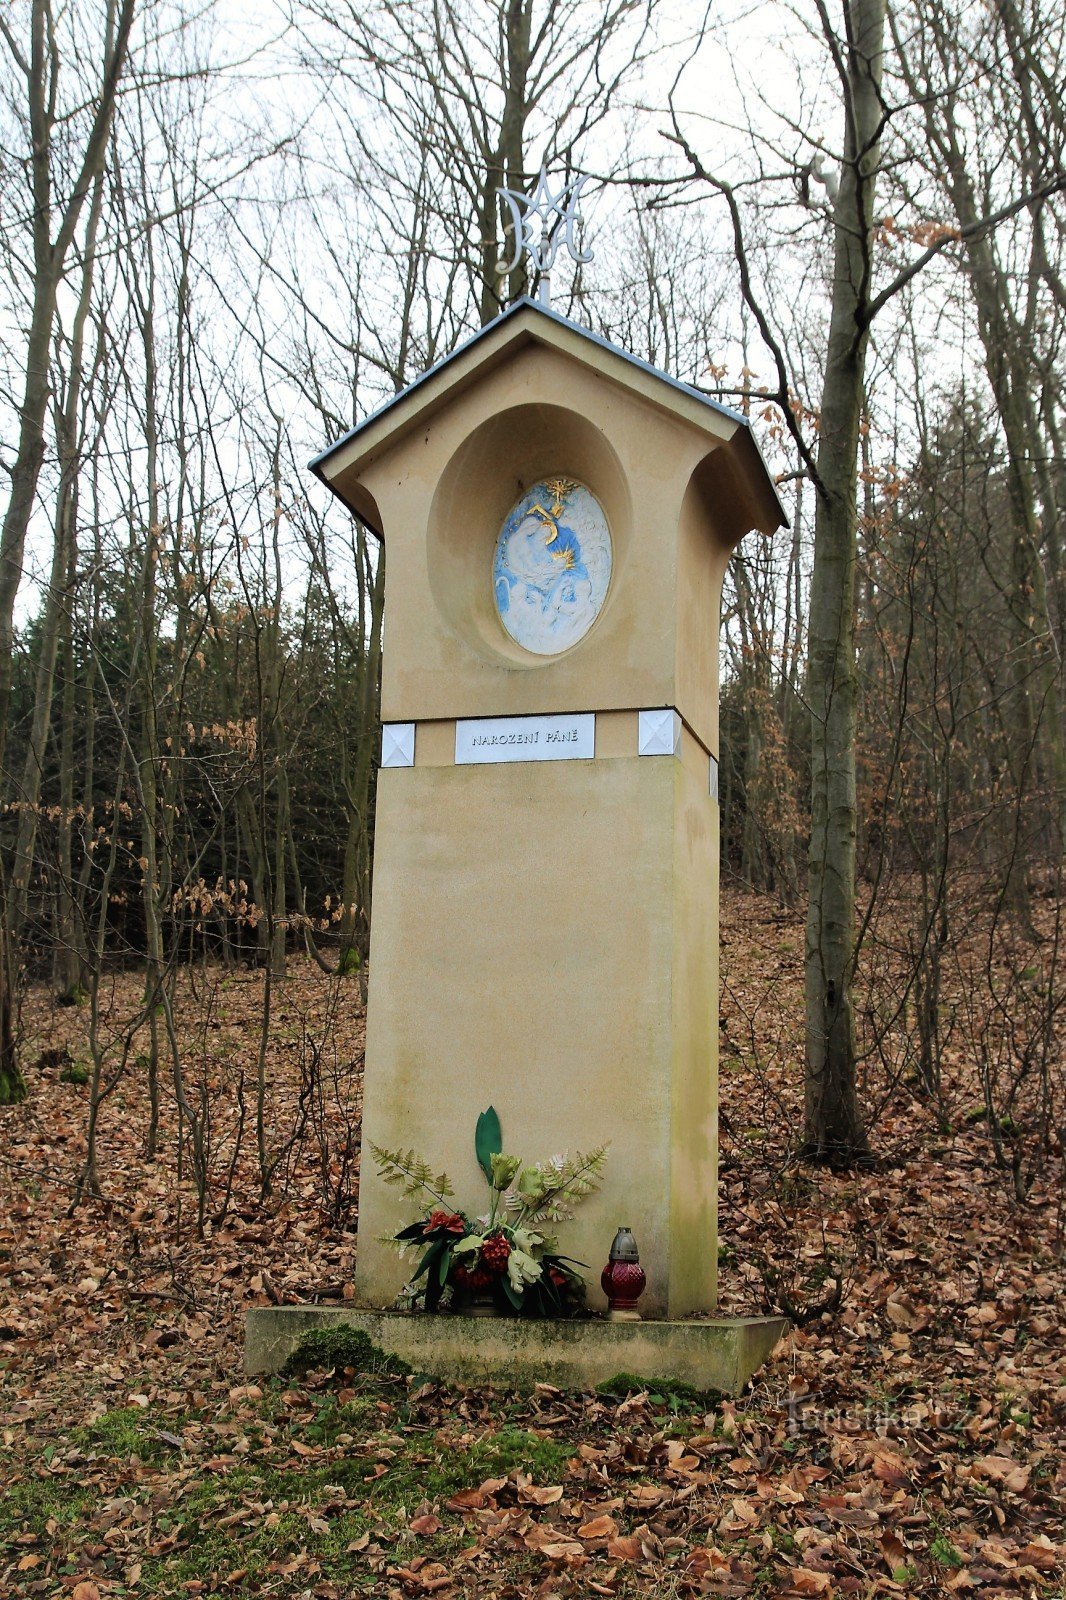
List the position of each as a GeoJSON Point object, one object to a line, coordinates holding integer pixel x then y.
{"type": "Point", "coordinates": [516, 1353]}
{"type": "Point", "coordinates": [623, 1384]}
{"type": "Point", "coordinates": [344, 1348]}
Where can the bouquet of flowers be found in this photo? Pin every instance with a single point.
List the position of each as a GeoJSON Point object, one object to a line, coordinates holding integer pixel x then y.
{"type": "Point", "coordinates": [505, 1255]}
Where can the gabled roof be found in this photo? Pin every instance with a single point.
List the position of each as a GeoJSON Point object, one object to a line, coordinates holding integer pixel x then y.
{"type": "Point", "coordinates": [527, 321]}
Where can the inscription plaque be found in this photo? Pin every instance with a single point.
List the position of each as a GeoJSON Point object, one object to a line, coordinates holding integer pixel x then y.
{"type": "Point", "coordinates": [569, 737]}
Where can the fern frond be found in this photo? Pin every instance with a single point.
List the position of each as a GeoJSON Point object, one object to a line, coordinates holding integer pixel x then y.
{"type": "Point", "coordinates": [401, 1246]}
{"type": "Point", "coordinates": [407, 1171]}
{"type": "Point", "coordinates": [569, 1182]}
{"type": "Point", "coordinates": [588, 1168]}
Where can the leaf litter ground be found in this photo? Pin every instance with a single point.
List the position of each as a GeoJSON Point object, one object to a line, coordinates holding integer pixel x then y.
{"type": "Point", "coordinates": [908, 1440]}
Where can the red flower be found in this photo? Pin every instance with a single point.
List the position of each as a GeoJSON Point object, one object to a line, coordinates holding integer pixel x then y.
{"type": "Point", "coordinates": [444, 1222]}
{"type": "Point", "coordinates": [477, 1279]}
{"type": "Point", "coordinates": [559, 1279]}
{"type": "Point", "coordinates": [495, 1253]}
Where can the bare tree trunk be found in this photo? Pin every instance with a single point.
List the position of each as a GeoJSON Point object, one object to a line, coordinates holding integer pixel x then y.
{"type": "Point", "coordinates": [374, 592]}
{"type": "Point", "coordinates": [834, 1131]}
{"type": "Point", "coordinates": [49, 261]}
{"type": "Point", "coordinates": [1009, 325]}
{"type": "Point", "coordinates": [505, 164]}
{"type": "Point", "coordinates": [141, 286]}
{"type": "Point", "coordinates": [280, 929]}
{"type": "Point", "coordinates": [40, 70]}
{"type": "Point", "coordinates": [89, 710]}
{"type": "Point", "coordinates": [60, 594]}
{"type": "Point", "coordinates": [12, 1082]}
{"type": "Point", "coordinates": [515, 113]}
{"type": "Point", "coordinates": [1035, 697]}
{"type": "Point", "coordinates": [68, 966]}
{"type": "Point", "coordinates": [152, 885]}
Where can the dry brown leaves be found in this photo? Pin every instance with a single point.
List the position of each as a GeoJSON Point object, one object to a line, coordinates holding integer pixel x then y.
{"type": "Point", "coordinates": [911, 1444]}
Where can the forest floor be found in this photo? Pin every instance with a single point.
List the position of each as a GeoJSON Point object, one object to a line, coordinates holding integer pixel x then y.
{"type": "Point", "coordinates": [906, 1440]}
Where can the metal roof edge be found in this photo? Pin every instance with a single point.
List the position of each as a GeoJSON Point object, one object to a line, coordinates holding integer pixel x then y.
{"type": "Point", "coordinates": [315, 464]}
{"type": "Point", "coordinates": [525, 303]}
{"type": "Point", "coordinates": [646, 367]}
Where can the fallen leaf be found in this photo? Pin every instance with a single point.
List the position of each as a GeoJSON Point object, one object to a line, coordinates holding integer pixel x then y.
{"type": "Point", "coordinates": [704, 1559]}
{"type": "Point", "coordinates": [1005, 1470]}
{"type": "Point", "coordinates": [563, 1550]}
{"type": "Point", "coordinates": [598, 1528]}
{"type": "Point", "coordinates": [890, 1468]}
{"type": "Point", "coordinates": [802, 1580]}
{"type": "Point", "coordinates": [468, 1500]}
{"type": "Point", "coordinates": [1044, 1557]}
{"type": "Point", "coordinates": [548, 1541]}
{"type": "Point", "coordinates": [534, 1495]}
{"type": "Point", "coordinates": [646, 1494]}
{"type": "Point", "coordinates": [893, 1550]}
{"type": "Point", "coordinates": [625, 1548]}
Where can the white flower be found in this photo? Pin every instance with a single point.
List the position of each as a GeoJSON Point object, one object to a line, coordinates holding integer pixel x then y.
{"type": "Point", "coordinates": [527, 1240]}
{"type": "Point", "coordinates": [521, 1270]}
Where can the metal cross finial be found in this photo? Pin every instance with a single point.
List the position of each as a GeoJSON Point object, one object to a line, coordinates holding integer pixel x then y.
{"type": "Point", "coordinates": [558, 217]}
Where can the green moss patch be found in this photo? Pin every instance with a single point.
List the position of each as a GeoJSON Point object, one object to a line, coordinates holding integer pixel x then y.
{"type": "Point", "coordinates": [660, 1391]}
{"type": "Point", "coordinates": [342, 1349]}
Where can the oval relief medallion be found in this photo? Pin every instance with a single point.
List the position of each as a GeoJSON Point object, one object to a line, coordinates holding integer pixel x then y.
{"type": "Point", "coordinates": [552, 566]}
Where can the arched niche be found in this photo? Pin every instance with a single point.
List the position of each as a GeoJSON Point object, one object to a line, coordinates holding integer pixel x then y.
{"type": "Point", "coordinates": [488, 472]}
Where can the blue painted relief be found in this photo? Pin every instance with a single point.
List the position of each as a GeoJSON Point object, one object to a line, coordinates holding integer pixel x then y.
{"type": "Point", "coordinates": [552, 567]}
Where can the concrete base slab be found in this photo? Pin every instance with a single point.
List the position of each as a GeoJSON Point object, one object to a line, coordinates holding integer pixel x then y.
{"type": "Point", "coordinates": [510, 1352]}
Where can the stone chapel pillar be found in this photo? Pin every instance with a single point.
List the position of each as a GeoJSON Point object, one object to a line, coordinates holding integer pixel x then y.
{"type": "Point", "coordinates": [557, 518]}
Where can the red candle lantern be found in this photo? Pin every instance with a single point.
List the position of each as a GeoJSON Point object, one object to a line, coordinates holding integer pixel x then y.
{"type": "Point", "coordinates": [622, 1279]}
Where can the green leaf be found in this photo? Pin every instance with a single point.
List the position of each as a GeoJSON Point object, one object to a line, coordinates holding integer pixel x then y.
{"type": "Point", "coordinates": [488, 1140]}
{"type": "Point", "coordinates": [431, 1255]}
{"type": "Point", "coordinates": [445, 1265]}
{"type": "Point", "coordinates": [511, 1293]}
{"type": "Point", "coordinates": [433, 1292]}
{"type": "Point", "coordinates": [415, 1230]}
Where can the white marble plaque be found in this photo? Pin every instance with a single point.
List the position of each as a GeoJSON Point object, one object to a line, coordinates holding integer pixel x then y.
{"type": "Point", "coordinates": [659, 732]}
{"type": "Point", "coordinates": [398, 744]}
{"type": "Point", "coordinates": [569, 737]}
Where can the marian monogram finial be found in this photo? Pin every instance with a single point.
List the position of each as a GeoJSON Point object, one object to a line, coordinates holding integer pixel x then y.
{"type": "Point", "coordinates": [542, 222]}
